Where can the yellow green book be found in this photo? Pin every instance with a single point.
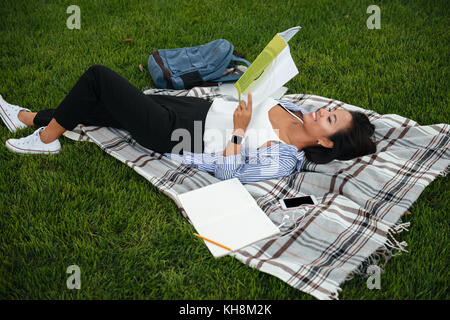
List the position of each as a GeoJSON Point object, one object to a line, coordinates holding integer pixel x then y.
{"type": "Point", "coordinates": [264, 59]}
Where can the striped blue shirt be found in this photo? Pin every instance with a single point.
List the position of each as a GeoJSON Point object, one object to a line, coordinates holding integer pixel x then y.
{"type": "Point", "coordinates": [275, 161]}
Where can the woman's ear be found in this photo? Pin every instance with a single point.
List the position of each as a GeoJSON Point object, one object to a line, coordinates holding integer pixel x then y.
{"type": "Point", "coordinates": [325, 142]}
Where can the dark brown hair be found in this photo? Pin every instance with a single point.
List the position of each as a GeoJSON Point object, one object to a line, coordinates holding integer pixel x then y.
{"type": "Point", "coordinates": [352, 142]}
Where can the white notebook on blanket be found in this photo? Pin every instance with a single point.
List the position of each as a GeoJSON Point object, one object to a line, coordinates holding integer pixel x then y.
{"type": "Point", "coordinates": [227, 214]}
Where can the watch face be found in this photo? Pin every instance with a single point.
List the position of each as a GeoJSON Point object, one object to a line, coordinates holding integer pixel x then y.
{"type": "Point", "coordinates": [236, 139]}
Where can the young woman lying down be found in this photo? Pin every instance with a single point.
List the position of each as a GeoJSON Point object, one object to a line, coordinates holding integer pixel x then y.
{"type": "Point", "coordinates": [248, 143]}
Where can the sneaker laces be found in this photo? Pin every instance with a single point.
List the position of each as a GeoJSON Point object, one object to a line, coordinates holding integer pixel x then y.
{"type": "Point", "coordinates": [35, 137]}
{"type": "Point", "coordinates": [12, 110]}
{"type": "Point", "coordinates": [38, 134]}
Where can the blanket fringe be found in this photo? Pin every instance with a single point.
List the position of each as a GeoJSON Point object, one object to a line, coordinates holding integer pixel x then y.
{"type": "Point", "coordinates": [332, 295]}
{"type": "Point", "coordinates": [391, 248]}
{"type": "Point", "coordinates": [335, 294]}
{"type": "Point", "coordinates": [444, 172]}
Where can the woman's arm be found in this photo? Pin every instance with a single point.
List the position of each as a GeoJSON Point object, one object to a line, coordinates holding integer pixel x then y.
{"type": "Point", "coordinates": [241, 118]}
{"type": "Point", "coordinates": [231, 148]}
{"type": "Point", "coordinates": [272, 162]}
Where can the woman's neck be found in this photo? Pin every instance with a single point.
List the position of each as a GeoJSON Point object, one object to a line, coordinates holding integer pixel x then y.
{"type": "Point", "coordinates": [299, 138]}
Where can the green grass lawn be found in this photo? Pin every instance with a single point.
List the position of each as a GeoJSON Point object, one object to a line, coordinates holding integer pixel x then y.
{"type": "Point", "coordinates": [84, 207]}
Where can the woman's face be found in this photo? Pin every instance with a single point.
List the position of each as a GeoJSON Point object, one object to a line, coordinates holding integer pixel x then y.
{"type": "Point", "coordinates": [324, 123]}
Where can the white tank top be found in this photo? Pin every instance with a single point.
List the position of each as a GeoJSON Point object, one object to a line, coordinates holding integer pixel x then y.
{"type": "Point", "coordinates": [219, 126]}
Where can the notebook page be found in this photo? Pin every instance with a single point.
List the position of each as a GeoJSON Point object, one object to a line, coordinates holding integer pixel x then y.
{"type": "Point", "coordinates": [225, 212]}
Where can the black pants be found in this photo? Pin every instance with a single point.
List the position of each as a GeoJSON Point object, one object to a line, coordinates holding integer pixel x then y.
{"type": "Point", "coordinates": [101, 97]}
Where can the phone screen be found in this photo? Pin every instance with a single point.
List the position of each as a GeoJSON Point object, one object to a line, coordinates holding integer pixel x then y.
{"type": "Point", "coordinates": [298, 201]}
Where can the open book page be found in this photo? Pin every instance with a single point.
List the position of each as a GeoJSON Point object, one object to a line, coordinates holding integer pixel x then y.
{"type": "Point", "coordinates": [270, 70]}
{"type": "Point", "coordinates": [226, 213]}
{"type": "Point", "coordinates": [270, 52]}
{"type": "Point", "coordinates": [280, 71]}
{"type": "Point", "coordinates": [230, 93]}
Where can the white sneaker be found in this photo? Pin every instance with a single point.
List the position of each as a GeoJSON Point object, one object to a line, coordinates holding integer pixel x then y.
{"type": "Point", "coordinates": [9, 114]}
{"type": "Point", "coordinates": [33, 144]}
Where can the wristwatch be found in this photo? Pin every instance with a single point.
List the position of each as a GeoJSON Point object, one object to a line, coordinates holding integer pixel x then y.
{"type": "Point", "coordinates": [236, 139]}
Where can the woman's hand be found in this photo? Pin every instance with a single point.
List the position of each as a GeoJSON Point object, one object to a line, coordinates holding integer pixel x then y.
{"type": "Point", "coordinates": [243, 114]}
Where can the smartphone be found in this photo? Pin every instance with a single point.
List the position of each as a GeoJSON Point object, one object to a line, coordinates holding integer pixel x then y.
{"type": "Point", "coordinates": [288, 203]}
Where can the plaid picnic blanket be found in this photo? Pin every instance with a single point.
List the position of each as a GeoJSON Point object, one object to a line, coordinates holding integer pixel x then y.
{"type": "Point", "coordinates": [360, 201]}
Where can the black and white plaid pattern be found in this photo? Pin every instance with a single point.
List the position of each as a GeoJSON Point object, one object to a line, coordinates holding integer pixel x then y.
{"type": "Point", "coordinates": [360, 201]}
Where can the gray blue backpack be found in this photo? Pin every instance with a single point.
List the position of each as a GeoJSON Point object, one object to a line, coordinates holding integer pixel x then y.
{"type": "Point", "coordinates": [204, 65]}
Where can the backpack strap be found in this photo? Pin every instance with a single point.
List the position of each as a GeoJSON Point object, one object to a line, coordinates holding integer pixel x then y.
{"type": "Point", "coordinates": [235, 77]}
{"type": "Point", "coordinates": [238, 54]}
{"type": "Point", "coordinates": [237, 59]}
{"type": "Point", "coordinates": [226, 79]}
{"type": "Point", "coordinates": [165, 71]}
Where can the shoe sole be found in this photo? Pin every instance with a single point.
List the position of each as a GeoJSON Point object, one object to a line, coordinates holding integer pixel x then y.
{"type": "Point", "coordinates": [8, 122]}
{"type": "Point", "coordinates": [28, 151]}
